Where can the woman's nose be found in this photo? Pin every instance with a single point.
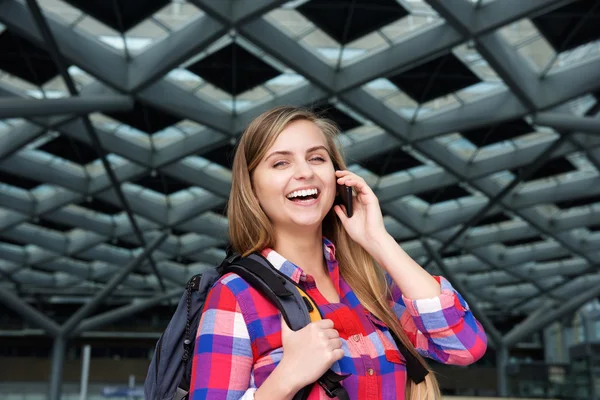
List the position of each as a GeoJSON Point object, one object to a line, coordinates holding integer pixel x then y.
{"type": "Point", "coordinates": [303, 171]}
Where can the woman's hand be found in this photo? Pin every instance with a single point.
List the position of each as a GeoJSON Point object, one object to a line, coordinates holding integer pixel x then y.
{"type": "Point", "coordinates": [365, 226]}
{"type": "Point", "coordinates": [309, 352]}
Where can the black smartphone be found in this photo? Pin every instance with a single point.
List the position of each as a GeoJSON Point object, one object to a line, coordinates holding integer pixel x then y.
{"type": "Point", "coordinates": [345, 197]}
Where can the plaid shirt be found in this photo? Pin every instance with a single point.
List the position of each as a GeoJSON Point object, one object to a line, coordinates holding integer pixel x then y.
{"type": "Point", "coordinates": [239, 338]}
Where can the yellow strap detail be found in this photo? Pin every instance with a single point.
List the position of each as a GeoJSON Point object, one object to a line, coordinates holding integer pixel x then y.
{"type": "Point", "coordinates": [315, 315]}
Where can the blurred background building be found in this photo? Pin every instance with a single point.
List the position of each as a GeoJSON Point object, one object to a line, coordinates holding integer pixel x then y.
{"type": "Point", "coordinates": [475, 121]}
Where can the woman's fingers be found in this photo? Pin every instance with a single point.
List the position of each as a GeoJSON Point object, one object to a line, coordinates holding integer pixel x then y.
{"type": "Point", "coordinates": [332, 333]}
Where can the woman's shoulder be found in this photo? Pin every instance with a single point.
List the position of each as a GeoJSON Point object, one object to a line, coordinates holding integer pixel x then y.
{"type": "Point", "coordinates": [233, 282]}
{"type": "Point", "coordinates": [232, 285]}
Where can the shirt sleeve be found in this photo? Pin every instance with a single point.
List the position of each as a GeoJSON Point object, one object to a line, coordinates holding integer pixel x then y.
{"type": "Point", "coordinates": [223, 358]}
{"type": "Point", "coordinates": [442, 328]}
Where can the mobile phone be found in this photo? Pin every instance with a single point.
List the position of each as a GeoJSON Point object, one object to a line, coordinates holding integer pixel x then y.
{"type": "Point", "coordinates": [345, 197]}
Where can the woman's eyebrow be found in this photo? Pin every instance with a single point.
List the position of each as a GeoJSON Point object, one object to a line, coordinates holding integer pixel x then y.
{"type": "Point", "coordinates": [288, 153]}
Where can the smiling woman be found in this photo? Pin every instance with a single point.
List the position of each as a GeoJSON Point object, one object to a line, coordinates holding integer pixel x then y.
{"type": "Point", "coordinates": [382, 313]}
{"type": "Point", "coordinates": [295, 183]}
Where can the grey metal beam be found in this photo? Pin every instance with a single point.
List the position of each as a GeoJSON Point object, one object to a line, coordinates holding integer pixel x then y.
{"type": "Point", "coordinates": [507, 63]}
{"type": "Point", "coordinates": [437, 41]}
{"type": "Point", "coordinates": [120, 313]}
{"type": "Point", "coordinates": [496, 15]}
{"type": "Point", "coordinates": [568, 122]}
{"type": "Point", "coordinates": [68, 327]}
{"type": "Point", "coordinates": [415, 225]}
{"type": "Point", "coordinates": [151, 65]}
{"type": "Point", "coordinates": [489, 327]}
{"type": "Point", "coordinates": [414, 51]}
{"type": "Point", "coordinates": [551, 314]}
{"type": "Point", "coordinates": [196, 143]}
{"type": "Point", "coordinates": [496, 199]}
{"type": "Point", "coordinates": [23, 108]}
{"type": "Point", "coordinates": [59, 349]}
{"type": "Point", "coordinates": [235, 13]}
{"type": "Point", "coordinates": [244, 11]}
{"type": "Point", "coordinates": [186, 105]}
{"type": "Point", "coordinates": [205, 178]}
{"type": "Point", "coordinates": [290, 52]}
{"type": "Point", "coordinates": [501, 366]}
{"type": "Point", "coordinates": [556, 89]}
{"type": "Point", "coordinates": [395, 125]}
{"type": "Point", "coordinates": [79, 49]}
{"type": "Point", "coordinates": [28, 313]}
{"type": "Point", "coordinates": [109, 67]}
{"type": "Point", "coordinates": [50, 41]}
{"type": "Point", "coordinates": [140, 152]}
{"type": "Point", "coordinates": [305, 95]}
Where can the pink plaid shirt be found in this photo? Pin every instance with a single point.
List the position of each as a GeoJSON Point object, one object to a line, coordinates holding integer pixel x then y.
{"type": "Point", "coordinates": [239, 338]}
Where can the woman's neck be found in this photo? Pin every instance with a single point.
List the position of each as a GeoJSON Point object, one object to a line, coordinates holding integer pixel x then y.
{"type": "Point", "coordinates": [305, 251]}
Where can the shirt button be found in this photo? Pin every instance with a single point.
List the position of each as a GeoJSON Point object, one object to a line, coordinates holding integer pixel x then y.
{"type": "Point", "coordinates": [356, 338]}
{"type": "Point", "coordinates": [370, 371]}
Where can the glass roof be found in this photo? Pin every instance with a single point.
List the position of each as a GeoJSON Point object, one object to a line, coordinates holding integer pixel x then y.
{"type": "Point", "coordinates": [438, 122]}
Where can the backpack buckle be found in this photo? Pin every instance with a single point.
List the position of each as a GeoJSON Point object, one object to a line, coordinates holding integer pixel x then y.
{"type": "Point", "coordinates": [330, 382]}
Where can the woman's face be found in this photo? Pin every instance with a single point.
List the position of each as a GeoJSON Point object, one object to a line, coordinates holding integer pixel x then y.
{"type": "Point", "coordinates": [295, 182]}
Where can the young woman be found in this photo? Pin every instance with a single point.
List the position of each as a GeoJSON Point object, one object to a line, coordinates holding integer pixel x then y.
{"type": "Point", "coordinates": [285, 172]}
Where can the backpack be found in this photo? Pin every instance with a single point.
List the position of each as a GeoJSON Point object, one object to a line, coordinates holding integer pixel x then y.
{"type": "Point", "coordinates": [169, 373]}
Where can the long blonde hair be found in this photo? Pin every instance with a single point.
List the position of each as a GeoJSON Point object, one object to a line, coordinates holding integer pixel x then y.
{"type": "Point", "coordinates": [250, 230]}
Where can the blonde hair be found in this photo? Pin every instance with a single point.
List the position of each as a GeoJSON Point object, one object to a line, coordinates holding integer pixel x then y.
{"type": "Point", "coordinates": [250, 230]}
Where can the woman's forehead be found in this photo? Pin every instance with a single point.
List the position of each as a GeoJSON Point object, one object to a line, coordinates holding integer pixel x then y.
{"type": "Point", "coordinates": [299, 136]}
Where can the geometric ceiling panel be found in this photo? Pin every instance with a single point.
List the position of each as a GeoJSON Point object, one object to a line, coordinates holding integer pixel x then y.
{"type": "Point", "coordinates": [523, 241]}
{"type": "Point", "coordinates": [70, 149]}
{"type": "Point", "coordinates": [18, 181]}
{"type": "Point", "coordinates": [56, 226]}
{"type": "Point", "coordinates": [22, 59]}
{"type": "Point", "coordinates": [344, 121]}
{"type": "Point", "coordinates": [101, 206]}
{"type": "Point", "coordinates": [436, 78]}
{"type": "Point", "coordinates": [571, 25]}
{"type": "Point", "coordinates": [348, 20]}
{"type": "Point", "coordinates": [222, 155]}
{"type": "Point", "coordinates": [233, 69]}
{"type": "Point", "coordinates": [580, 202]}
{"type": "Point", "coordinates": [553, 167]}
{"type": "Point", "coordinates": [145, 118]}
{"type": "Point", "coordinates": [493, 219]}
{"type": "Point", "coordinates": [452, 192]}
{"type": "Point", "coordinates": [393, 161]}
{"type": "Point", "coordinates": [555, 259]}
{"type": "Point", "coordinates": [481, 137]}
{"type": "Point", "coordinates": [119, 15]}
{"type": "Point", "coordinates": [220, 210]}
{"type": "Point", "coordinates": [126, 244]}
{"type": "Point", "coordinates": [395, 53]}
{"type": "Point", "coordinates": [161, 183]}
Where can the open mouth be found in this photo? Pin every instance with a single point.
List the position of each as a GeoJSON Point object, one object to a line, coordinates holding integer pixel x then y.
{"type": "Point", "coordinates": [300, 196]}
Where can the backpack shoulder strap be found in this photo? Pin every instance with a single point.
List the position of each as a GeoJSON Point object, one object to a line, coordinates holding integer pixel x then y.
{"type": "Point", "coordinates": [297, 308]}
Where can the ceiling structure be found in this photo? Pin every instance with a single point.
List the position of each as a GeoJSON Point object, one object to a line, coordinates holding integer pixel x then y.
{"type": "Point", "coordinates": [475, 122]}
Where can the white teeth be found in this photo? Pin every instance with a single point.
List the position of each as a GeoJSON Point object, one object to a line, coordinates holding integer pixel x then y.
{"type": "Point", "coordinates": [302, 193]}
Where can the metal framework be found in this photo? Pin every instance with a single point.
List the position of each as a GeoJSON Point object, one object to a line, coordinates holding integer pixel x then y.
{"type": "Point", "coordinates": [454, 236]}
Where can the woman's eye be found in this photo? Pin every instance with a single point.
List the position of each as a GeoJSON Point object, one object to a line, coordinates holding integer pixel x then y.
{"type": "Point", "coordinates": [279, 164]}
{"type": "Point", "coordinates": [317, 158]}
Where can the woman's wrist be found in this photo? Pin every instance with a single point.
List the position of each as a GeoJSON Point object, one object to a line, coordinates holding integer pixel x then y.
{"type": "Point", "coordinates": [280, 385]}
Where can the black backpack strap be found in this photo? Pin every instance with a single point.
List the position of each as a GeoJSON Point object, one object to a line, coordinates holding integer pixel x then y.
{"type": "Point", "coordinates": [290, 301]}
{"type": "Point", "coordinates": [414, 369]}
{"type": "Point", "coordinates": [275, 286]}
{"type": "Point", "coordinates": [330, 382]}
